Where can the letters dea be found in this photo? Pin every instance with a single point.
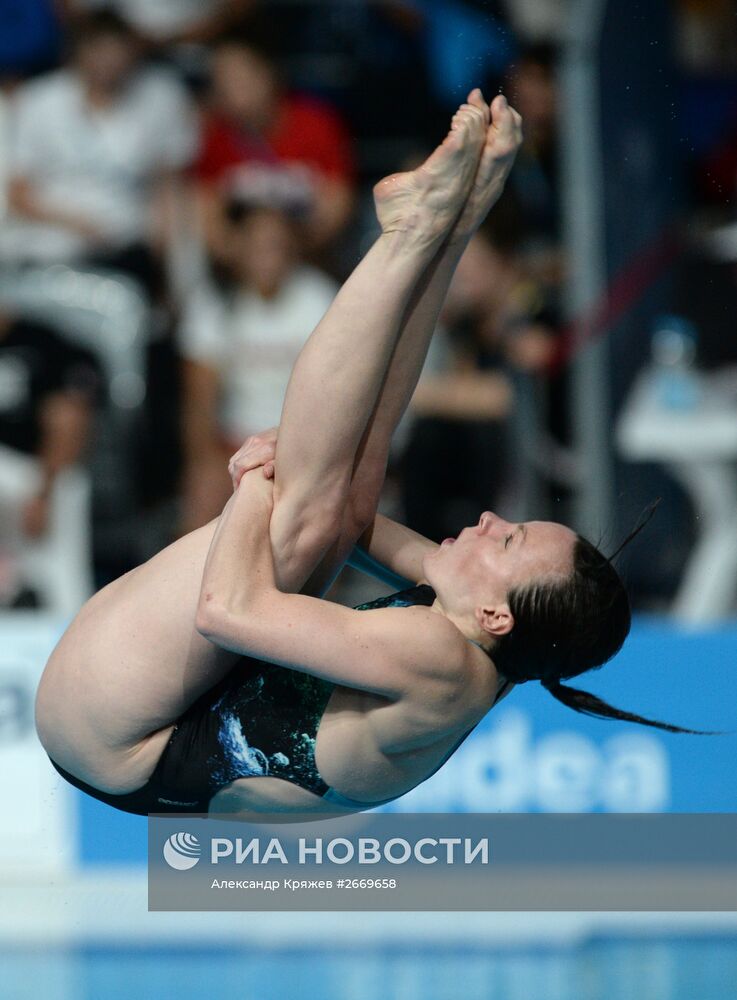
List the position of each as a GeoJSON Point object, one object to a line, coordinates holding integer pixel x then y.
{"type": "Point", "coordinates": [505, 768]}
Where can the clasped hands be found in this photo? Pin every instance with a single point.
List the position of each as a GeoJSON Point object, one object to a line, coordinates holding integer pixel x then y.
{"type": "Point", "coordinates": [256, 452]}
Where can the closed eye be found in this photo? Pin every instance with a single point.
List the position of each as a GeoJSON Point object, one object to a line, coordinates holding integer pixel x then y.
{"type": "Point", "coordinates": [523, 532]}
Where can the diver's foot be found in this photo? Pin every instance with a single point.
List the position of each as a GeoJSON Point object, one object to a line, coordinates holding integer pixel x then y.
{"type": "Point", "coordinates": [503, 139]}
{"type": "Point", "coordinates": [426, 202]}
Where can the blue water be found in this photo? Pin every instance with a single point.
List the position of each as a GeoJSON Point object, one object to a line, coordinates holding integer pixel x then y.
{"type": "Point", "coordinates": [695, 969]}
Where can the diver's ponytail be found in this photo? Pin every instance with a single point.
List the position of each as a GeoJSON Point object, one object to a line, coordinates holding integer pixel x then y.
{"type": "Point", "coordinates": [566, 626]}
{"type": "Point", "coordinates": [589, 704]}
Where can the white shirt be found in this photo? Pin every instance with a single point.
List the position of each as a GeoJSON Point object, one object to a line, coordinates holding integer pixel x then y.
{"type": "Point", "coordinates": [253, 343]}
{"type": "Point", "coordinates": [97, 163]}
{"type": "Point", "coordinates": [160, 18]}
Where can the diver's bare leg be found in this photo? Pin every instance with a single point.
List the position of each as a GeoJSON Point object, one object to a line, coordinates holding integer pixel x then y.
{"type": "Point", "coordinates": [340, 373]}
{"type": "Point", "coordinates": [502, 142]}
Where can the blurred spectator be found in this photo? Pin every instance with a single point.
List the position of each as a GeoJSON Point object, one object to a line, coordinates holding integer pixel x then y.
{"type": "Point", "coordinates": [47, 392]}
{"type": "Point", "coordinates": [95, 149]}
{"type": "Point", "coordinates": [457, 458]}
{"type": "Point", "coordinates": [532, 199]}
{"type": "Point", "coordinates": [506, 313]}
{"type": "Point", "coordinates": [359, 56]}
{"type": "Point", "coordinates": [706, 35]}
{"type": "Point", "coordinates": [165, 23]}
{"type": "Point", "coordinates": [239, 346]}
{"type": "Point", "coordinates": [254, 119]}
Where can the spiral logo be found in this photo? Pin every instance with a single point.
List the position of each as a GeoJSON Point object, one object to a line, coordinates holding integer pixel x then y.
{"type": "Point", "coordinates": [182, 851]}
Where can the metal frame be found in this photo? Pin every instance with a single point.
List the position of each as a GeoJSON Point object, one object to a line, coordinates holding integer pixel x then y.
{"type": "Point", "coordinates": [584, 228]}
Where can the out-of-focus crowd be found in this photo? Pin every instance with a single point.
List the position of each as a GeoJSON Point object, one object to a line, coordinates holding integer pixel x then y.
{"type": "Point", "coordinates": [186, 182]}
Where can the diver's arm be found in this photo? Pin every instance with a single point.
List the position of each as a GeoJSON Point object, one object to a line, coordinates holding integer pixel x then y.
{"type": "Point", "coordinates": [386, 550]}
{"type": "Point", "coordinates": [241, 609]}
{"type": "Point", "coordinates": [394, 547]}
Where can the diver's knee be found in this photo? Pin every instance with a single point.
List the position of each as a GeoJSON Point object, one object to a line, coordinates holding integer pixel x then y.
{"type": "Point", "coordinates": [307, 526]}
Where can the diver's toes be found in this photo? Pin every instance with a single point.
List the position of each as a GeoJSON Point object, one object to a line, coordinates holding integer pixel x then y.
{"type": "Point", "coordinates": [476, 98]}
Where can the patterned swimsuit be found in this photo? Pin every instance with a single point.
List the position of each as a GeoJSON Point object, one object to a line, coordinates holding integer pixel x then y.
{"type": "Point", "coordinates": [261, 719]}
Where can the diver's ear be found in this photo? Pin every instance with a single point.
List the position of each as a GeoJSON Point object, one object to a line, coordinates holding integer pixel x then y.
{"type": "Point", "coordinates": [496, 621]}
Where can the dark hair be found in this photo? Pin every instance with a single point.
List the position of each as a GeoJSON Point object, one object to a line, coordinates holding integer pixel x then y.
{"type": "Point", "coordinates": [88, 27]}
{"type": "Point", "coordinates": [258, 33]}
{"type": "Point", "coordinates": [565, 627]}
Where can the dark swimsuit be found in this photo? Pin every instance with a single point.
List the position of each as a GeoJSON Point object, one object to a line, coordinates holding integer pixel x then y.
{"type": "Point", "coordinates": [261, 719]}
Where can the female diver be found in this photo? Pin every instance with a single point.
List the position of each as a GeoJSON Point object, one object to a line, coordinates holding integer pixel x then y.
{"type": "Point", "coordinates": [213, 678]}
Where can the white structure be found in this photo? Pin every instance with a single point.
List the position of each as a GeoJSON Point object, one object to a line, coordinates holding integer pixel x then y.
{"type": "Point", "coordinates": [699, 448]}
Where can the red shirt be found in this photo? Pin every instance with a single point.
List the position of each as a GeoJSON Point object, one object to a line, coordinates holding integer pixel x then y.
{"type": "Point", "coordinates": [305, 131]}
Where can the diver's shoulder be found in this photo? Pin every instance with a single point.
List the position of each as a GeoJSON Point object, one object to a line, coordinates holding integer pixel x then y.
{"type": "Point", "coordinates": [432, 647]}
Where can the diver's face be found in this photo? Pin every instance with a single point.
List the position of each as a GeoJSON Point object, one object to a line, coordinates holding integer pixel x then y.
{"type": "Point", "coordinates": [490, 558]}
